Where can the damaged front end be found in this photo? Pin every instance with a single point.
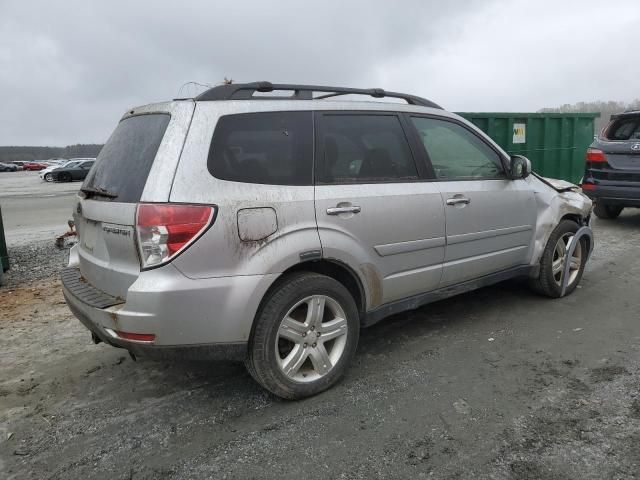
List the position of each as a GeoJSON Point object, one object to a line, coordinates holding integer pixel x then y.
{"type": "Point", "coordinates": [557, 200]}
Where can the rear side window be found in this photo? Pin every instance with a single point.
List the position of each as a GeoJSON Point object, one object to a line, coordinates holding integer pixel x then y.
{"type": "Point", "coordinates": [455, 152]}
{"type": "Point", "coordinates": [624, 129]}
{"type": "Point", "coordinates": [364, 149]}
{"type": "Point", "coordinates": [123, 165]}
{"type": "Point", "coordinates": [274, 148]}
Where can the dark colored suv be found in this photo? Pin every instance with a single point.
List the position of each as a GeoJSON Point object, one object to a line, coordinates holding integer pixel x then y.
{"type": "Point", "coordinates": [612, 174]}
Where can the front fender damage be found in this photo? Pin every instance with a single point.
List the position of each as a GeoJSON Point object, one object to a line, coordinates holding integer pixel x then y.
{"type": "Point", "coordinates": [556, 200]}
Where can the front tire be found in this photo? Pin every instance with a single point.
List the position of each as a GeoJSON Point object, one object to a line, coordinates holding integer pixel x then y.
{"type": "Point", "coordinates": [554, 258]}
{"type": "Point", "coordinates": [48, 177]}
{"type": "Point", "coordinates": [304, 337]}
{"type": "Point", "coordinates": [606, 212]}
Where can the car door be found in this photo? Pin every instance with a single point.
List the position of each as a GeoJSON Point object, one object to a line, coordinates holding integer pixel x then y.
{"type": "Point", "coordinates": [84, 168]}
{"type": "Point", "coordinates": [490, 218]}
{"type": "Point", "coordinates": [375, 211]}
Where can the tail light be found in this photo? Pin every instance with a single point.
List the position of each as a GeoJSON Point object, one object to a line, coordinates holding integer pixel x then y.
{"type": "Point", "coordinates": [166, 229]}
{"type": "Point", "coordinates": [595, 155]}
{"type": "Point", "coordinates": [588, 186]}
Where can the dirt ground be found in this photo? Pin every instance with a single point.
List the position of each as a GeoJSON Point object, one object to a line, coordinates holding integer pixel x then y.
{"type": "Point", "coordinates": [499, 383]}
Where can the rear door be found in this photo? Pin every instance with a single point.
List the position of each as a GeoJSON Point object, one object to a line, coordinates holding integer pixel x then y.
{"type": "Point", "coordinates": [136, 164]}
{"type": "Point", "coordinates": [489, 218]}
{"type": "Point", "coordinates": [374, 209]}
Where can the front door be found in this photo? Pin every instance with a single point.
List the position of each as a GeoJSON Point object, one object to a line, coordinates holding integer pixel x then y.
{"type": "Point", "coordinates": [374, 210]}
{"type": "Point", "coordinates": [490, 219]}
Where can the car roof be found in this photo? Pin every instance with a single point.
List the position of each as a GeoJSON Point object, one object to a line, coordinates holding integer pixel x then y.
{"type": "Point", "coordinates": [628, 113]}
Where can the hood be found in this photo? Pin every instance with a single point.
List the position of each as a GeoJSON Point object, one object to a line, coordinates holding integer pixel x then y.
{"type": "Point", "coordinates": [559, 185]}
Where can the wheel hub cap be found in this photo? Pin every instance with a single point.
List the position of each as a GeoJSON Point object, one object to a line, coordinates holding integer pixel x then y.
{"type": "Point", "coordinates": [560, 258]}
{"type": "Point", "coordinates": [311, 338]}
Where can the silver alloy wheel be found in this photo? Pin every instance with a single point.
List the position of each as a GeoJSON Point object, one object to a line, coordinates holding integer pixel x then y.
{"type": "Point", "coordinates": [311, 338]}
{"type": "Point", "coordinates": [560, 258]}
{"type": "Point", "coordinates": [48, 177]}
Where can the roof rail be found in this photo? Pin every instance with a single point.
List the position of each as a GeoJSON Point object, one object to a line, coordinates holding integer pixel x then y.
{"type": "Point", "coordinates": [245, 91]}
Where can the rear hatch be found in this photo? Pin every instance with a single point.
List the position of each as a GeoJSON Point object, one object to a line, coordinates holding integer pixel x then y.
{"type": "Point", "coordinates": [621, 142]}
{"type": "Point", "coordinates": [136, 165]}
{"type": "Point", "coordinates": [623, 155]}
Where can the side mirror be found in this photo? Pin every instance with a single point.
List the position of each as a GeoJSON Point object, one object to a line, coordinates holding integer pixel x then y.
{"type": "Point", "coordinates": [520, 167]}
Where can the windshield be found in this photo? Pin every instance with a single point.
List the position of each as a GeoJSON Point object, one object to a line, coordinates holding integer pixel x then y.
{"type": "Point", "coordinates": [123, 165]}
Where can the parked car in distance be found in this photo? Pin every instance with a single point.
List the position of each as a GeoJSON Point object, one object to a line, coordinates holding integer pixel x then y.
{"type": "Point", "coordinates": [46, 173]}
{"type": "Point", "coordinates": [273, 229]}
{"type": "Point", "coordinates": [19, 164]}
{"type": "Point", "coordinates": [75, 171]}
{"type": "Point", "coordinates": [612, 171]}
{"type": "Point", "coordinates": [35, 165]}
{"type": "Point", "coordinates": [8, 167]}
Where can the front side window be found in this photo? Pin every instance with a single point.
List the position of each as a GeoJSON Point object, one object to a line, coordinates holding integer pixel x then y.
{"type": "Point", "coordinates": [274, 148]}
{"type": "Point", "coordinates": [455, 152]}
{"type": "Point", "coordinates": [362, 148]}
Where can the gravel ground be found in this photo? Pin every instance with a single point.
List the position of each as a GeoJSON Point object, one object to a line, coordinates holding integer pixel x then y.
{"type": "Point", "coordinates": [494, 384]}
{"type": "Point", "coordinates": [35, 261]}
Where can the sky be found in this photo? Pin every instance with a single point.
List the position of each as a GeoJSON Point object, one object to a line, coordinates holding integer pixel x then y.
{"type": "Point", "coordinates": [70, 69]}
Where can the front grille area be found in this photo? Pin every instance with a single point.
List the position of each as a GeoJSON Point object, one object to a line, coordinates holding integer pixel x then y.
{"type": "Point", "coordinates": [86, 293]}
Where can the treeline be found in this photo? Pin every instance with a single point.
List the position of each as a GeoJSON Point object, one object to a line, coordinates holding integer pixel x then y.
{"type": "Point", "coordinates": [9, 154]}
{"type": "Point", "coordinates": [606, 109]}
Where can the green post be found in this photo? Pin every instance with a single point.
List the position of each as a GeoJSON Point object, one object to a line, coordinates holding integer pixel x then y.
{"type": "Point", "coordinates": [4, 254]}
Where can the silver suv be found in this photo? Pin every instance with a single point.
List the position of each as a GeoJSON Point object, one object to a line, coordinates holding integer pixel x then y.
{"type": "Point", "coordinates": [244, 224]}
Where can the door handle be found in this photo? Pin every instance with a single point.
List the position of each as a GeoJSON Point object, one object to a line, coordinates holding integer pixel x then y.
{"type": "Point", "coordinates": [458, 201]}
{"type": "Point", "coordinates": [339, 210]}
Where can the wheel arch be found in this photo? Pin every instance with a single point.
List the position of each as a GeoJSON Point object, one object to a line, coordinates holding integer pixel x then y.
{"type": "Point", "coordinates": [581, 221]}
{"type": "Point", "coordinates": [335, 269]}
{"type": "Point", "coordinates": [340, 272]}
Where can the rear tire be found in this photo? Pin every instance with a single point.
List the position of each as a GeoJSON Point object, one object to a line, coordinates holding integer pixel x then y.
{"type": "Point", "coordinates": [607, 212]}
{"type": "Point", "coordinates": [549, 281]}
{"type": "Point", "coordinates": [305, 335]}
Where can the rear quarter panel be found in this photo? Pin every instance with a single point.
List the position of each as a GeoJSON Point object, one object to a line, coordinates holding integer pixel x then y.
{"type": "Point", "coordinates": [220, 251]}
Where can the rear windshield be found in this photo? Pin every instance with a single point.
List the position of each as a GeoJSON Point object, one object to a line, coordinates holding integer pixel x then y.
{"type": "Point", "coordinates": [624, 129]}
{"type": "Point", "coordinates": [123, 165]}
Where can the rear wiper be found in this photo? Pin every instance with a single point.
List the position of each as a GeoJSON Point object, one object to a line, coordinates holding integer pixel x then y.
{"type": "Point", "coordinates": [99, 191]}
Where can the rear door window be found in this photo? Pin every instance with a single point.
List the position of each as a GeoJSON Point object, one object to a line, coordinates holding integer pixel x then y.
{"type": "Point", "coordinates": [123, 165]}
{"type": "Point", "coordinates": [274, 148]}
{"type": "Point", "coordinates": [361, 148]}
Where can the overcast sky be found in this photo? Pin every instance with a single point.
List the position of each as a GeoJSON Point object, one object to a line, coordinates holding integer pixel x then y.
{"type": "Point", "coordinates": [69, 69]}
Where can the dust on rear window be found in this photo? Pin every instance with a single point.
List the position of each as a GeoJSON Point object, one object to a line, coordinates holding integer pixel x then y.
{"type": "Point", "coordinates": [123, 165]}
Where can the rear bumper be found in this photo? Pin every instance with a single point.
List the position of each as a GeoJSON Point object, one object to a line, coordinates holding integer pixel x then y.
{"type": "Point", "coordinates": [215, 351]}
{"type": "Point", "coordinates": [205, 318]}
{"type": "Point", "coordinates": [627, 196]}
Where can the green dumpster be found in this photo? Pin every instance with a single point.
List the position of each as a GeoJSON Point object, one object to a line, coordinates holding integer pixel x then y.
{"type": "Point", "coordinates": [4, 255]}
{"type": "Point", "coordinates": [556, 143]}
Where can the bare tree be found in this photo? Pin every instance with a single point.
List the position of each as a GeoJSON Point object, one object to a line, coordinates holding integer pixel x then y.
{"type": "Point", "coordinates": [605, 109]}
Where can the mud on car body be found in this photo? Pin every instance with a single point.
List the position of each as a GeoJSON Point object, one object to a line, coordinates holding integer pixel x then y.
{"type": "Point", "coordinates": [272, 229]}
